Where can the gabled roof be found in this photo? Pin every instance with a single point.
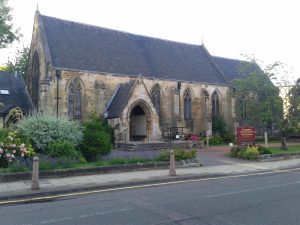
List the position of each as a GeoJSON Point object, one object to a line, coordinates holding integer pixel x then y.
{"type": "Point", "coordinates": [84, 47]}
{"type": "Point", "coordinates": [119, 99]}
{"type": "Point", "coordinates": [14, 94]}
{"type": "Point", "coordinates": [235, 69]}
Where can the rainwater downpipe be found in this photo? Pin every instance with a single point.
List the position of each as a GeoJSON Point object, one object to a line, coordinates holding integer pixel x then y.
{"type": "Point", "coordinates": [58, 76]}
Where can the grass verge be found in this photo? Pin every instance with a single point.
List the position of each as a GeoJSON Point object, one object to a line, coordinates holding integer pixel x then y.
{"type": "Point", "coordinates": [291, 149]}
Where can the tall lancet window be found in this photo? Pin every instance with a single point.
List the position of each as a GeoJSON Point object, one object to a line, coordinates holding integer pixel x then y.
{"type": "Point", "coordinates": [155, 97]}
{"type": "Point", "coordinates": [215, 106]}
{"type": "Point", "coordinates": [75, 99]}
{"type": "Point", "coordinates": [206, 103]}
{"type": "Point", "coordinates": [187, 105]}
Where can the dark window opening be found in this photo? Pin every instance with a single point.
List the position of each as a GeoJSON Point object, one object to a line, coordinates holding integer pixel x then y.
{"type": "Point", "coordinates": [215, 105]}
{"type": "Point", "coordinates": [137, 111]}
{"type": "Point", "coordinates": [35, 80]}
{"type": "Point", "coordinates": [187, 105]}
{"type": "Point", "coordinates": [74, 99]}
{"type": "Point", "coordinates": [155, 97]}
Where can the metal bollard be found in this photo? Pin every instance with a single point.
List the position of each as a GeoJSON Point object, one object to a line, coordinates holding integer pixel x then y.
{"type": "Point", "coordinates": [35, 174]}
{"type": "Point", "coordinates": [172, 171]}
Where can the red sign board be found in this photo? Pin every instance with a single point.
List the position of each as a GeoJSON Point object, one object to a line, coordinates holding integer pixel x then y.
{"type": "Point", "coordinates": [246, 135]}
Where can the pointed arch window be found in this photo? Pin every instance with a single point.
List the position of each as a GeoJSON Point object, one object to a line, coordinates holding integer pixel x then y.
{"type": "Point", "coordinates": [155, 97]}
{"type": "Point", "coordinates": [75, 99]}
{"type": "Point", "coordinates": [215, 106]}
{"type": "Point", "coordinates": [187, 105]}
{"type": "Point", "coordinates": [35, 85]}
{"type": "Point", "coordinates": [206, 103]}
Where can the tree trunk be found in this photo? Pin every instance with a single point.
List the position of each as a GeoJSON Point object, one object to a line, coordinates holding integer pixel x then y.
{"type": "Point", "coordinates": [283, 143]}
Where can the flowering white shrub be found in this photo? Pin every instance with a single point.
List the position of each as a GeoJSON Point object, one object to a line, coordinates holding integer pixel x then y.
{"type": "Point", "coordinates": [42, 130]}
{"type": "Point", "coordinates": [12, 149]}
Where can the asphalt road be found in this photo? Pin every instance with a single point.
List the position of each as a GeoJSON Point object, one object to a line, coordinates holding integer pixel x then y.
{"type": "Point", "coordinates": [270, 199]}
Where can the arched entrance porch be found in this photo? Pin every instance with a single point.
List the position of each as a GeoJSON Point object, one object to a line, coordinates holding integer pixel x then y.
{"type": "Point", "coordinates": [139, 122]}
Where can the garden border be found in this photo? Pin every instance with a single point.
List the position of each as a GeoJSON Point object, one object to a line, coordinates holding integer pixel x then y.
{"type": "Point", "coordinates": [277, 157]}
{"type": "Point", "coordinates": [45, 174]}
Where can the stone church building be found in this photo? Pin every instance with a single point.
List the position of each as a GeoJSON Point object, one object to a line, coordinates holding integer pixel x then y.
{"type": "Point", "coordinates": [145, 87]}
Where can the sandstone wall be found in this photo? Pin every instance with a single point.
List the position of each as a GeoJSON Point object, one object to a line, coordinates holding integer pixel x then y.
{"type": "Point", "coordinates": [99, 88]}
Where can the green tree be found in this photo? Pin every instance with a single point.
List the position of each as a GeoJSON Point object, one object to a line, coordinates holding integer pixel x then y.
{"type": "Point", "coordinates": [294, 101]}
{"type": "Point", "coordinates": [258, 103]}
{"type": "Point", "coordinates": [20, 62]}
{"type": "Point", "coordinates": [7, 33]}
{"type": "Point", "coordinates": [291, 120]}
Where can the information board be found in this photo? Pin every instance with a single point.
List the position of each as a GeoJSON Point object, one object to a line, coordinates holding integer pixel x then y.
{"type": "Point", "coordinates": [246, 135]}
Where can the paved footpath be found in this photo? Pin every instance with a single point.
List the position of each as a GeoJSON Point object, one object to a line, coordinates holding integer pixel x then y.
{"type": "Point", "coordinates": [21, 189]}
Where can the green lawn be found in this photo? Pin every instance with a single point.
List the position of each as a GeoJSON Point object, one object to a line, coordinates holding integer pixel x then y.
{"type": "Point", "coordinates": [291, 149]}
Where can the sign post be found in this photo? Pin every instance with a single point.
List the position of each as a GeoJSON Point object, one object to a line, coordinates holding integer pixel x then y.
{"type": "Point", "coordinates": [266, 140]}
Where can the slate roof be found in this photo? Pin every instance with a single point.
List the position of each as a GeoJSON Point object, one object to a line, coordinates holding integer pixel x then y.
{"type": "Point", "coordinates": [235, 69]}
{"type": "Point", "coordinates": [119, 99]}
{"type": "Point", "coordinates": [18, 95]}
{"type": "Point", "coordinates": [85, 47]}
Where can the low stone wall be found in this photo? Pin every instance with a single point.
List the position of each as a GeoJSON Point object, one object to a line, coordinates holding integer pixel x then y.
{"type": "Point", "coordinates": [9, 177]}
{"type": "Point", "coordinates": [276, 157]}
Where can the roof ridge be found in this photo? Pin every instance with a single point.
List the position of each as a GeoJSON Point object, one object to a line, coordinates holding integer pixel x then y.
{"type": "Point", "coordinates": [120, 31]}
{"type": "Point", "coordinates": [221, 57]}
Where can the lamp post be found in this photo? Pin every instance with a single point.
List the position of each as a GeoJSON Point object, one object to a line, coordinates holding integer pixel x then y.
{"type": "Point", "coordinates": [58, 76]}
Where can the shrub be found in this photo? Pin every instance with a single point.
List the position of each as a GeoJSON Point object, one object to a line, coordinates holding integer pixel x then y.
{"type": "Point", "coordinates": [219, 125]}
{"type": "Point", "coordinates": [263, 150]}
{"type": "Point", "coordinates": [180, 154]}
{"type": "Point", "coordinates": [216, 140]}
{"type": "Point", "coordinates": [42, 130]}
{"type": "Point", "coordinates": [96, 139]}
{"type": "Point", "coordinates": [228, 137]}
{"type": "Point", "coordinates": [3, 134]}
{"type": "Point", "coordinates": [234, 151]}
{"type": "Point", "coordinates": [251, 153]}
{"type": "Point", "coordinates": [63, 149]}
{"type": "Point", "coordinates": [13, 149]}
{"type": "Point", "coordinates": [241, 153]}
